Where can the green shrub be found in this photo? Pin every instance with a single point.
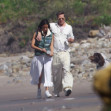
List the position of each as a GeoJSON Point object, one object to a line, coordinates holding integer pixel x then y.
{"type": "Point", "coordinates": [22, 44]}
{"type": "Point", "coordinates": [10, 9]}
{"type": "Point", "coordinates": [78, 7]}
{"type": "Point", "coordinates": [104, 19]}
{"type": "Point", "coordinates": [23, 41]}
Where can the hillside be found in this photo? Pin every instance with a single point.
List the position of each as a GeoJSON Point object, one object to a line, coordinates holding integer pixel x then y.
{"type": "Point", "coordinates": [19, 19]}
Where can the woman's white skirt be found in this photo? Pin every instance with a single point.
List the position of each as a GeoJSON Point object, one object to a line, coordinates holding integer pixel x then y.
{"type": "Point", "coordinates": [38, 63]}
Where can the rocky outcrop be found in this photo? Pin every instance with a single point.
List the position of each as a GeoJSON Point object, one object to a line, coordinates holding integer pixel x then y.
{"type": "Point", "coordinates": [104, 31]}
{"type": "Point", "coordinates": [81, 67]}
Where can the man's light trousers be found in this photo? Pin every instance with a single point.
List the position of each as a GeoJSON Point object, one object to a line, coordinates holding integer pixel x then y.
{"type": "Point", "coordinates": [62, 78]}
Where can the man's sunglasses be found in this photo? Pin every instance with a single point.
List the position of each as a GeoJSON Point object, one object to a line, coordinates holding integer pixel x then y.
{"type": "Point", "coordinates": [61, 18]}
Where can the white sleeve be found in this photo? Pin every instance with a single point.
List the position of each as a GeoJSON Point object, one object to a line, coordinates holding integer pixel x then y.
{"type": "Point", "coordinates": [71, 33]}
{"type": "Point", "coordinates": [51, 26]}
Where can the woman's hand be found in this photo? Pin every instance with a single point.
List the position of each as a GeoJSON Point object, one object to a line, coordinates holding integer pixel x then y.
{"type": "Point", "coordinates": [51, 54]}
{"type": "Point", "coordinates": [44, 50]}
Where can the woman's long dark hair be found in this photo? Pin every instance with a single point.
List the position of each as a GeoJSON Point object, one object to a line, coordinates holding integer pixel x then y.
{"type": "Point", "coordinates": [43, 22]}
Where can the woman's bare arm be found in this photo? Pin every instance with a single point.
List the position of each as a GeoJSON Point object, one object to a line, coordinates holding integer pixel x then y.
{"type": "Point", "coordinates": [33, 44]}
{"type": "Point", "coordinates": [52, 45]}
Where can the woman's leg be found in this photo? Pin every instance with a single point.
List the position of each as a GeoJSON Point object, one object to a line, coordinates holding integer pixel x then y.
{"type": "Point", "coordinates": [47, 75]}
{"type": "Point", "coordinates": [40, 78]}
{"type": "Point", "coordinates": [37, 75]}
{"type": "Point", "coordinates": [39, 88]}
{"type": "Point", "coordinates": [47, 72]}
{"type": "Point", "coordinates": [36, 69]}
{"type": "Point", "coordinates": [47, 93]}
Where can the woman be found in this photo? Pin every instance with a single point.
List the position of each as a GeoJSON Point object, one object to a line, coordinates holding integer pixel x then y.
{"type": "Point", "coordinates": [41, 63]}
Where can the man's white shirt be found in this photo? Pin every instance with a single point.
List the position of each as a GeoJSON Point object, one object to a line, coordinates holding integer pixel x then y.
{"type": "Point", "coordinates": [61, 35]}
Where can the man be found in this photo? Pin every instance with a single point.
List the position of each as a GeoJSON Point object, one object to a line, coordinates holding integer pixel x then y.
{"type": "Point", "coordinates": [63, 35]}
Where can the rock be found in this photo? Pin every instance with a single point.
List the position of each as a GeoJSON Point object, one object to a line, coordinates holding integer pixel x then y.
{"type": "Point", "coordinates": [3, 67]}
{"type": "Point", "coordinates": [3, 55]}
{"type": "Point", "coordinates": [76, 61]}
{"type": "Point", "coordinates": [93, 33]}
{"type": "Point", "coordinates": [24, 59]}
{"type": "Point", "coordinates": [85, 45]}
{"type": "Point", "coordinates": [76, 45]}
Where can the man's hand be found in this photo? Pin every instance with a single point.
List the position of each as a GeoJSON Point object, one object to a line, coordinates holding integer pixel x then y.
{"type": "Point", "coordinates": [70, 40]}
{"type": "Point", "coordinates": [39, 36]}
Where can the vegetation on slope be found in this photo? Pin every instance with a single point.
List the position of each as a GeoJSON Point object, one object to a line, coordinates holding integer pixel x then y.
{"type": "Point", "coordinates": [22, 16]}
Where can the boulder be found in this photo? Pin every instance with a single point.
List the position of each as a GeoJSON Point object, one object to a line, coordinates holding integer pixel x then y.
{"type": "Point", "coordinates": [93, 33]}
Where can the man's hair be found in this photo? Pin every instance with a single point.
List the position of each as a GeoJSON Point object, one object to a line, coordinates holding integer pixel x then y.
{"type": "Point", "coordinates": [59, 13]}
